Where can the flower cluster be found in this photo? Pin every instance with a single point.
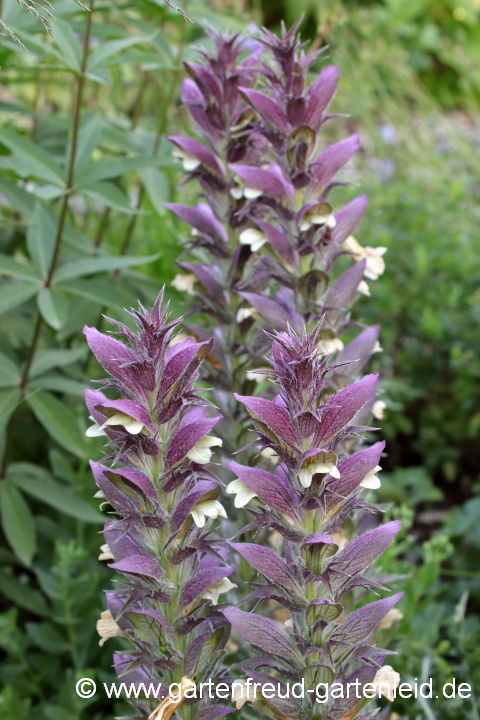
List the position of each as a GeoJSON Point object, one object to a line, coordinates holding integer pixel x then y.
{"type": "Point", "coordinates": [315, 488]}
{"type": "Point", "coordinates": [157, 481]}
{"type": "Point", "coordinates": [265, 232]}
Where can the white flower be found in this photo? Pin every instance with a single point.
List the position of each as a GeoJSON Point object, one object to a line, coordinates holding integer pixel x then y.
{"type": "Point", "coordinates": [105, 553]}
{"type": "Point", "coordinates": [239, 189]}
{"type": "Point", "coordinates": [378, 409]}
{"type": "Point", "coordinates": [386, 682]}
{"type": "Point", "coordinates": [318, 215]}
{"type": "Point", "coordinates": [219, 588]}
{"type": "Point", "coordinates": [256, 375]}
{"type": "Point", "coordinates": [132, 426]}
{"type": "Point", "coordinates": [201, 453]}
{"type": "Point", "coordinates": [375, 264]}
{"type": "Point", "coordinates": [245, 313]}
{"type": "Point", "coordinates": [180, 338]}
{"type": "Point", "coordinates": [371, 481]}
{"type": "Point", "coordinates": [363, 289]}
{"type": "Point", "coordinates": [331, 345]}
{"type": "Point", "coordinates": [94, 430]}
{"type": "Point", "coordinates": [188, 161]}
{"type": "Point", "coordinates": [185, 283]}
{"type": "Point", "coordinates": [253, 237]}
{"type": "Point", "coordinates": [390, 618]}
{"type": "Point", "coordinates": [207, 508]}
{"type": "Point", "coordinates": [243, 692]}
{"type": "Point", "coordinates": [308, 470]}
{"type": "Point", "coordinates": [107, 627]}
{"type": "Point", "coordinates": [270, 454]}
{"type": "Point", "coordinates": [377, 348]}
{"type": "Point", "coordinates": [243, 494]}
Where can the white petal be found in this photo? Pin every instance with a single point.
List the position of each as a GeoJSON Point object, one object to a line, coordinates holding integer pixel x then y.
{"type": "Point", "coordinates": [252, 236]}
{"type": "Point", "coordinates": [333, 470]}
{"type": "Point", "coordinates": [251, 193]}
{"type": "Point", "coordinates": [236, 192]}
{"type": "Point", "coordinates": [95, 431]}
{"type": "Point", "coordinates": [198, 518]}
{"type": "Point", "coordinates": [244, 497]}
{"type": "Point", "coordinates": [305, 476]}
{"type": "Point", "coordinates": [371, 482]}
{"type": "Point", "coordinates": [235, 486]}
{"type": "Point", "coordinates": [305, 225]}
{"type": "Point", "coordinates": [191, 163]}
{"type": "Point", "coordinates": [363, 289]}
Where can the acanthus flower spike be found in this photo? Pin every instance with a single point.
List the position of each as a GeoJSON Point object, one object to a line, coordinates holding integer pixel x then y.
{"type": "Point", "coordinates": [316, 487]}
{"type": "Point", "coordinates": [158, 482]}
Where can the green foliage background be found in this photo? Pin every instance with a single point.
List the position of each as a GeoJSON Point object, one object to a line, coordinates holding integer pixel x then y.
{"type": "Point", "coordinates": [85, 234]}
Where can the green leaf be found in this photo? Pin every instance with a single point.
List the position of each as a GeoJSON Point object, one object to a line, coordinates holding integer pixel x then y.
{"type": "Point", "coordinates": [13, 294]}
{"type": "Point", "coordinates": [53, 306]}
{"type": "Point", "coordinates": [59, 383]}
{"type": "Point", "coordinates": [68, 44]}
{"type": "Point", "coordinates": [42, 165]}
{"type": "Point", "coordinates": [56, 496]}
{"type": "Point", "coordinates": [59, 421]}
{"type": "Point", "coordinates": [9, 373]}
{"type": "Point", "coordinates": [46, 637]}
{"type": "Point", "coordinates": [17, 521]}
{"type": "Point", "coordinates": [47, 359]}
{"type": "Point", "coordinates": [13, 269]}
{"type": "Point", "coordinates": [88, 139]}
{"type": "Point", "coordinates": [20, 200]}
{"type": "Point", "coordinates": [110, 195]}
{"type": "Point", "coordinates": [23, 595]}
{"type": "Point", "coordinates": [104, 291]}
{"type": "Point", "coordinates": [102, 263]}
{"type": "Point", "coordinates": [41, 238]}
{"type": "Point", "coordinates": [108, 168]}
{"type": "Point", "coordinates": [157, 187]}
{"type": "Point", "coordinates": [9, 400]}
{"type": "Point", "coordinates": [109, 49]}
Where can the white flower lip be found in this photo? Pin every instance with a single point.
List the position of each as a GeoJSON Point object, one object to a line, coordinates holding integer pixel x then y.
{"type": "Point", "coordinates": [308, 470]}
{"type": "Point", "coordinates": [371, 481]}
{"type": "Point", "coordinates": [375, 264]}
{"type": "Point", "coordinates": [218, 588]}
{"type": "Point", "coordinates": [107, 627]}
{"type": "Point", "coordinates": [185, 282]}
{"type": "Point", "coordinates": [132, 426]}
{"type": "Point", "coordinates": [253, 237]}
{"type": "Point", "coordinates": [207, 508]}
{"type": "Point", "coordinates": [189, 162]}
{"type": "Point", "coordinates": [201, 453]}
{"type": "Point", "coordinates": [243, 494]}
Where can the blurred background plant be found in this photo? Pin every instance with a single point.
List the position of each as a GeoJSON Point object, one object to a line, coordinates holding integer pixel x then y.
{"type": "Point", "coordinates": [83, 232]}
